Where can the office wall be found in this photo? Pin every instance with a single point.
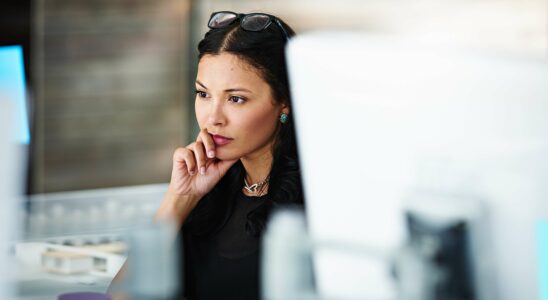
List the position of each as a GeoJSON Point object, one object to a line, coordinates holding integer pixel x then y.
{"type": "Point", "coordinates": [508, 27]}
{"type": "Point", "coordinates": [111, 91]}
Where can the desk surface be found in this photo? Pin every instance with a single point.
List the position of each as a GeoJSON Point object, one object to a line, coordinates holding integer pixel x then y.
{"type": "Point", "coordinates": [39, 285]}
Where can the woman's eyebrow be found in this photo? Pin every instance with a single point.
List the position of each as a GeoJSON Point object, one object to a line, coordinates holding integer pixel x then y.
{"type": "Point", "coordinates": [198, 82]}
{"type": "Point", "coordinates": [239, 90]}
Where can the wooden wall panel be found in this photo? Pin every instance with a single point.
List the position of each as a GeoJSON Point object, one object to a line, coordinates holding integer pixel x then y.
{"type": "Point", "coordinates": [111, 92]}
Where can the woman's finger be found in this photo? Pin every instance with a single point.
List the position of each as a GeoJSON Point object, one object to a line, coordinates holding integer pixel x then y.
{"type": "Point", "coordinates": [183, 157]}
{"type": "Point", "coordinates": [208, 142]}
{"type": "Point", "coordinates": [199, 153]}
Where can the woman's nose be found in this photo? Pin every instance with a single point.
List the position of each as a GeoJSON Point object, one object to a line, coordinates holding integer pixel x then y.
{"type": "Point", "coordinates": [216, 115]}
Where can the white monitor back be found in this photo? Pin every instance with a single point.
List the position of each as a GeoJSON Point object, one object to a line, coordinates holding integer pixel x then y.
{"type": "Point", "coordinates": [14, 131]}
{"type": "Point", "coordinates": [10, 192]}
{"type": "Point", "coordinates": [375, 113]}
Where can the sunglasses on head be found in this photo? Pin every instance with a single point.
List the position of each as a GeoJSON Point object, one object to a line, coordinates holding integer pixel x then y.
{"type": "Point", "coordinates": [250, 22]}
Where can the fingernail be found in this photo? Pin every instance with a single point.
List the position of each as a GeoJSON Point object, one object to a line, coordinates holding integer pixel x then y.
{"type": "Point", "coordinates": [202, 170]}
{"type": "Point", "coordinates": [211, 154]}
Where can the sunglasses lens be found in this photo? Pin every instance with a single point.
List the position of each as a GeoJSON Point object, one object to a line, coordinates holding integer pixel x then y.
{"type": "Point", "coordinates": [220, 20]}
{"type": "Point", "coordinates": [255, 22]}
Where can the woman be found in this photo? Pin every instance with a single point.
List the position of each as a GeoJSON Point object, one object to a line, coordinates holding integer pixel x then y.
{"type": "Point", "coordinates": [244, 160]}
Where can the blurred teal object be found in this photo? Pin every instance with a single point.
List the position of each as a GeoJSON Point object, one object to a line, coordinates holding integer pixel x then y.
{"type": "Point", "coordinates": [12, 88]}
{"type": "Point", "coordinates": [542, 254]}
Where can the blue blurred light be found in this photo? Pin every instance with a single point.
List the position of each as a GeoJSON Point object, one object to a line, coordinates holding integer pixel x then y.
{"type": "Point", "coordinates": [12, 88]}
{"type": "Point", "coordinates": [542, 253]}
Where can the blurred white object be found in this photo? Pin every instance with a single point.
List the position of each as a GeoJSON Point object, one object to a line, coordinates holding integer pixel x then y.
{"type": "Point", "coordinates": [153, 263]}
{"type": "Point", "coordinates": [10, 192]}
{"type": "Point", "coordinates": [66, 262]}
{"type": "Point", "coordinates": [13, 134]}
{"type": "Point", "coordinates": [106, 259]}
{"type": "Point", "coordinates": [372, 111]}
{"type": "Point", "coordinates": [286, 258]}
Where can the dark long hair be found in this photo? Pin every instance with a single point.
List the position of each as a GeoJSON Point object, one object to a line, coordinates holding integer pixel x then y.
{"type": "Point", "coordinates": [265, 51]}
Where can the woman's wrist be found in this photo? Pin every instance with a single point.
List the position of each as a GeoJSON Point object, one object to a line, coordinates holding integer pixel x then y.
{"type": "Point", "coordinates": [176, 206]}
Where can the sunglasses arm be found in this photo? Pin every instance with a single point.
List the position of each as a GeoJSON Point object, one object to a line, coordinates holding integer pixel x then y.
{"type": "Point", "coordinates": [282, 28]}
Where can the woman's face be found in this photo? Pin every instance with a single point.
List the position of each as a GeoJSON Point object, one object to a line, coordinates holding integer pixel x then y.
{"type": "Point", "coordinates": [233, 101]}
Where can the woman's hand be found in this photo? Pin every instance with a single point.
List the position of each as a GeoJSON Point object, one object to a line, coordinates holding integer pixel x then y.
{"type": "Point", "coordinates": [193, 175]}
{"type": "Point", "coordinates": [195, 169]}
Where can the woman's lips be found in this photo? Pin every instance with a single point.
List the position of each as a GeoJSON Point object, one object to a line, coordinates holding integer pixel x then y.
{"type": "Point", "coordinates": [220, 140]}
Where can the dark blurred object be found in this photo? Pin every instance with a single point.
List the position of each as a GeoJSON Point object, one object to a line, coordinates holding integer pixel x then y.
{"type": "Point", "coordinates": [15, 27]}
{"type": "Point", "coordinates": [444, 248]}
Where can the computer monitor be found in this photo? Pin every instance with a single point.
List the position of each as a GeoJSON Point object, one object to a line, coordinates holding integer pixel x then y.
{"type": "Point", "coordinates": [379, 118]}
{"type": "Point", "coordinates": [14, 132]}
{"type": "Point", "coordinates": [12, 88]}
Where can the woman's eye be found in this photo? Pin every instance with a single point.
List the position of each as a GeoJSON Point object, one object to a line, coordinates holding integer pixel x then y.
{"type": "Point", "coordinates": [237, 99]}
{"type": "Point", "coordinates": [201, 94]}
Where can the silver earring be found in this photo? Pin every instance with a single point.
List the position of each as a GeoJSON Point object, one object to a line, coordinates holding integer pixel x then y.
{"type": "Point", "coordinates": [283, 118]}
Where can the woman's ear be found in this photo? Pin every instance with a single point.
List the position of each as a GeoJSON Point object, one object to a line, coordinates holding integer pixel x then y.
{"type": "Point", "coordinates": [285, 108]}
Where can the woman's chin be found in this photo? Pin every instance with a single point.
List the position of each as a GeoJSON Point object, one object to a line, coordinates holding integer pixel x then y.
{"type": "Point", "coordinates": [227, 156]}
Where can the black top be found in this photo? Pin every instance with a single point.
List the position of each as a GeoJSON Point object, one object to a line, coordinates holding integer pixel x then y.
{"type": "Point", "coordinates": [224, 265]}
